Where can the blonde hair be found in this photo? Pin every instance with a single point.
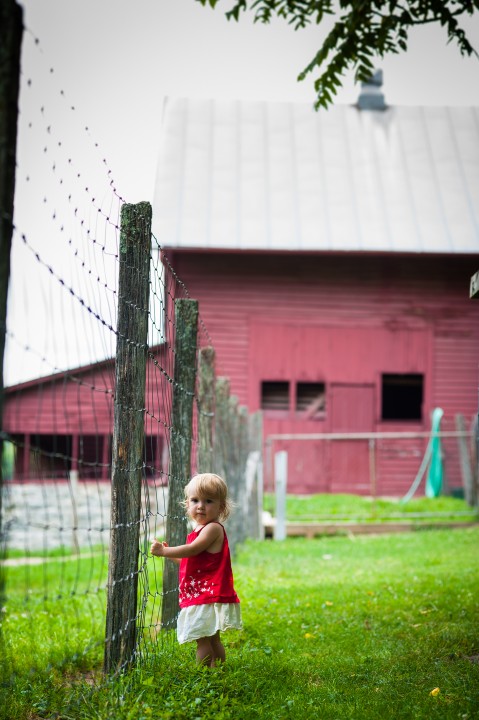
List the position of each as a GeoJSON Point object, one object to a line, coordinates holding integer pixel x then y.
{"type": "Point", "coordinates": [210, 485]}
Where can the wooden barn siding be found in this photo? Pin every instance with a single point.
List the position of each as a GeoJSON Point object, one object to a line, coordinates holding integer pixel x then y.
{"type": "Point", "coordinates": [428, 294]}
{"type": "Point", "coordinates": [456, 363]}
{"type": "Point", "coordinates": [61, 407]}
{"type": "Point", "coordinates": [398, 462]}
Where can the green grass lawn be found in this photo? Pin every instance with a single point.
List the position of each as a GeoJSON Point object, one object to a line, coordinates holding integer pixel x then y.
{"type": "Point", "coordinates": [355, 508]}
{"type": "Point", "coordinates": [362, 627]}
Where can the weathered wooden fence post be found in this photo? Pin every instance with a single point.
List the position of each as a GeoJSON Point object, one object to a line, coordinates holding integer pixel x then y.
{"type": "Point", "coordinates": [281, 485]}
{"type": "Point", "coordinates": [186, 321]}
{"type": "Point", "coordinates": [220, 446]}
{"type": "Point", "coordinates": [128, 435]}
{"type": "Point", "coordinates": [255, 484]}
{"type": "Point", "coordinates": [467, 474]}
{"type": "Point", "coordinates": [231, 450]}
{"type": "Point", "coordinates": [11, 22]}
{"type": "Point", "coordinates": [241, 440]}
{"type": "Point", "coordinates": [206, 411]}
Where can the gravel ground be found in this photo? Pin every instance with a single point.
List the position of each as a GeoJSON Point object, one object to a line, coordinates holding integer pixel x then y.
{"type": "Point", "coordinates": [48, 515]}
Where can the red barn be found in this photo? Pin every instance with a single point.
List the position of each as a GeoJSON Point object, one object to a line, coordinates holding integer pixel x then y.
{"type": "Point", "coordinates": [331, 255]}
{"type": "Point", "coordinates": [63, 423]}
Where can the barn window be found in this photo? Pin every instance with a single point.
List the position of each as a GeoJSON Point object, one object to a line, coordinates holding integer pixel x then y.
{"type": "Point", "coordinates": [402, 397]}
{"type": "Point", "coordinates": [274, 395]}
{"type": "Point", "coordinates": [311, 399]}
{"type": "Point", "coordinates": [90, 450]}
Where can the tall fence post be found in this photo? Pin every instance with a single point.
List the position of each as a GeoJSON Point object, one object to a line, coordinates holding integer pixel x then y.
{"type": "Point", "coordinates": [373, 484]}
{"type": "Point", "coordinates": [255, 490]}
{"type": "Point", "coordinates": [242, 442]}
{"type": "Point", "coordinates": [229, 452]}
{"type": "Point", "coordinates": [237, 447]}
{"type": "Point", "coordinates": [280, 483]}
{"type": "Point", "coordinates": [206, 411]}
{"type": "Point", "coordinates": [186, 322]}
{"type": "Point", "coordinates": [465, 462]}
{"type": "Point", "coordinates": [128, 435]}
{"type": "Point", "coordinates": [220, 450]}
{"type": "Point", "coordinates": [11, 22]}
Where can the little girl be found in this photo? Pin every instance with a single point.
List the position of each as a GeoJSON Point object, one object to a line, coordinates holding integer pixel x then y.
{"type": "Point", "coordinates": [208, 601]}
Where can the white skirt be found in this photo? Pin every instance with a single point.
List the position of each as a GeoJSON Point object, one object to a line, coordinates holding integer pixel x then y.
{"type": "Point", "coordinates": [198, 621]}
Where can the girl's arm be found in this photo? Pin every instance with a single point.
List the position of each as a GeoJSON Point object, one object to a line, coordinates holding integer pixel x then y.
{"type": "Point", "coordinates": [204, 541]}
{"type": "Point", "coordinates": [177, 561]}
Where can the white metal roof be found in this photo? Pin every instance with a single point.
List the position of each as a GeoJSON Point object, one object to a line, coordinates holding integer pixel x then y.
{"type": "Point", "coordinates": [280, 176]}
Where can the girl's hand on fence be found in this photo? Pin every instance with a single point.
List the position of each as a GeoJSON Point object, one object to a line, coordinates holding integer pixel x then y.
{"type": "Point", "coordinates": [157, 548]}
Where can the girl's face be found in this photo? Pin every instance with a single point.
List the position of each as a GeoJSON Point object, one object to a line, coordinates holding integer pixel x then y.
{"type": "Point", "coordinates": [202, 510]}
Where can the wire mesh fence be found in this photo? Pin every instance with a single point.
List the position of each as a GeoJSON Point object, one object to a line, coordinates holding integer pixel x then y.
{"type": "Point", "coordinates": [57, 519]}
{"type": "Point", "coordinates": [61, 520]}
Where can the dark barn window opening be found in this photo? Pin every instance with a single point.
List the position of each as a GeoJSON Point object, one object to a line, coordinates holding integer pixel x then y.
{"type": "Point", "coordinates": [311, 399]}
{"type": "Point", "coordinates": [402, 396]}
{"type": "Point", "coordinates": [152, 455]}
{"type": "Point", "coordinates": [274, 395]}
{"type": "Point", "coordinates": [50, 455]}
{"type": "Point", "coordinates": [90, 455]}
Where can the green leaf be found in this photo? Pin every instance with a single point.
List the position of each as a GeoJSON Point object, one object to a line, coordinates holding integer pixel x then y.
{"type": "Point", "coordinates": [362, 30]}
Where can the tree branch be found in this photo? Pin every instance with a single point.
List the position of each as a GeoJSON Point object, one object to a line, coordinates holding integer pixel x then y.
{"type": "Point", "coordinates": [365, 28]}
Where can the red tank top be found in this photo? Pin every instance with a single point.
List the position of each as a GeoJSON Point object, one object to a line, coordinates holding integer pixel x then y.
{"type": "Point", "coordinates": [207, 577]}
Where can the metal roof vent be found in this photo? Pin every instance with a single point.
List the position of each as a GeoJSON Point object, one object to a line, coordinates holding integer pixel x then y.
{"type": "Point", "coordinates": [371, 96]}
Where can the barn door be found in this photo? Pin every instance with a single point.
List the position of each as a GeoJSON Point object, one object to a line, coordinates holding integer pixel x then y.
{"type": "Point", "coordinates": [352, 411]}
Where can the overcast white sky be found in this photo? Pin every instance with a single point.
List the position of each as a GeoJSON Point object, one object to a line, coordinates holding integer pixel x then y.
{"type": "Point", "coordinates": [116, 61]}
